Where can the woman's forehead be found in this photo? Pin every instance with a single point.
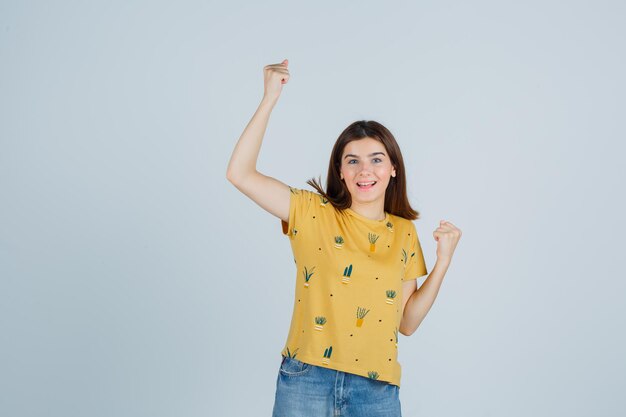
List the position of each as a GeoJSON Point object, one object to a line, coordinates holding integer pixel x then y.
{"type": "Point", "coordinates": [364, 147]}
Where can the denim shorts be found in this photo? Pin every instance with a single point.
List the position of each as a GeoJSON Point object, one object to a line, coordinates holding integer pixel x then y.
{"type": "Point", "coordinates": [305, 390]}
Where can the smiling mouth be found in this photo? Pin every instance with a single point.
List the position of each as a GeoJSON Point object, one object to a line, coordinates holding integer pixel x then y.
{"type": "Point", "coordinates": [366, 185]}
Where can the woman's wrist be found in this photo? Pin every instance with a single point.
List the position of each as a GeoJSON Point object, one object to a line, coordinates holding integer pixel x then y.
{"type": "Point", "coordinates": [269, 100]}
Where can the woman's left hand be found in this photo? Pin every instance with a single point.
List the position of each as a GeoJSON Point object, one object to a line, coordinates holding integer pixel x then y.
{"type": "Point", "coordinates": [447, 236]}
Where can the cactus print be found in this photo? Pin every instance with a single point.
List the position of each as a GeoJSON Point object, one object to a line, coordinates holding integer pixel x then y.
{"type": "Point", "coordinates": [348, 295]}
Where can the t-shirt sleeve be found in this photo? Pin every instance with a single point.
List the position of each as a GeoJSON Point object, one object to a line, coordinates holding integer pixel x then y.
{"type": "Point", "coordinates": [415, 265]}
{"type": "Point", "coordinates": [300, 202]}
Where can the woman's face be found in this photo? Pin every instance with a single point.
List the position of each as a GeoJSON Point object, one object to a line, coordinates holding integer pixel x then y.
{"type": "Point", "coordinates": [366, 160]}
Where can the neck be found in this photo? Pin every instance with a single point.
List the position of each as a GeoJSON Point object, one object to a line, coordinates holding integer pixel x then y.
{"type": "Point", "coordinates": [374, 210]}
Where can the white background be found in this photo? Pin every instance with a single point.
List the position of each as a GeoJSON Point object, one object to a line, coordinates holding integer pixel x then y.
{"type": "Point", "coordinates": [135, 280]}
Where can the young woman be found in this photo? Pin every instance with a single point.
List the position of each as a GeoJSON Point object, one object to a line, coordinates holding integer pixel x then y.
{"type": "Point", "coordinates": [357, 257]}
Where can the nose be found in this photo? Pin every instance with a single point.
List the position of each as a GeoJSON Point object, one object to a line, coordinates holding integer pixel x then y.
{"type": "Point", "coordinates": [366, 167]}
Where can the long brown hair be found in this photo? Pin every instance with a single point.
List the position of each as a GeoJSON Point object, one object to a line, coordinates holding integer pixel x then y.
{"type": "Point", "coordinates": [396, 201]}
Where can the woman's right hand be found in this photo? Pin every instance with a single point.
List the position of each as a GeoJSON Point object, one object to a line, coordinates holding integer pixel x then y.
{"type": "Point", "coordinates": [274, 76]}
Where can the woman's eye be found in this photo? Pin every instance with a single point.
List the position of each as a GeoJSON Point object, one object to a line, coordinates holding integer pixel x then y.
{"type": "Point", "coordinates": [378, 159]}
{"type": "Point", "coordinates": [350, 161]}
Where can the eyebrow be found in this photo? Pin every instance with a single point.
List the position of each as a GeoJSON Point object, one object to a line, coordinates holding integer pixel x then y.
{"type": "Point", "coordinates": [372, 154]}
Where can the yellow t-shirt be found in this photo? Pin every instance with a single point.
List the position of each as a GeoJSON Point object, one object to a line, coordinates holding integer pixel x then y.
{"type": "Point", "coordinates": [348, 294]}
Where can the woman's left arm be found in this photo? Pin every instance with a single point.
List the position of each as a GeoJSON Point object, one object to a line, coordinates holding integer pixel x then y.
{"type": "Point", "coordinates": [447, 236]}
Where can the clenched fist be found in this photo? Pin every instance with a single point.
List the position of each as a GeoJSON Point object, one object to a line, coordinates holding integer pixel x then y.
{"type": "Point", "coordinates": [274, 76]}
{"type": "Point", "coordinates": [447, 236]}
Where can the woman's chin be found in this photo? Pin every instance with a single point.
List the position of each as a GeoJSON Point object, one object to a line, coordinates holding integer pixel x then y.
{"type": "Point", "coordinates": [366, 198]}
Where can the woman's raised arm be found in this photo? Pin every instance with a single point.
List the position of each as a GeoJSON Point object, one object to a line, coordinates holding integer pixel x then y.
{"type": "Point", "coordinates": [269, 193]}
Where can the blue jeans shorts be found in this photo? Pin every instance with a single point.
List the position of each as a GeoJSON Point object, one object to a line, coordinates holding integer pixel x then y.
{"type": "Point", "coordinates": [305, 390]}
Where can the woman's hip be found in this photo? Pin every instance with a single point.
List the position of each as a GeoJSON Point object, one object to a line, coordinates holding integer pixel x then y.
{"type": "Point", "coordinates": [304, 389]}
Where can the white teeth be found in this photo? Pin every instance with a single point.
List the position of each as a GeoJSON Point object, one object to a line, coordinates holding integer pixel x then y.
{"type": "Point", "coordinates": [365, 183]}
